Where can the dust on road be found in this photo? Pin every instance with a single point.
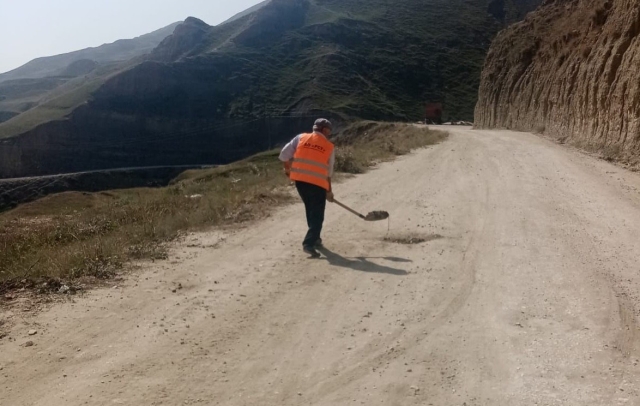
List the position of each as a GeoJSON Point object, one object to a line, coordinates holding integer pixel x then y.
{"type": "Point", "coordinates": [529, 297]}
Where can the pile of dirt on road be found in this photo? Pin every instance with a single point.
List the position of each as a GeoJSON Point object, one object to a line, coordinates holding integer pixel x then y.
{"type": "Point", "coordinates": [411, 239]}
{"type": "Point", "coordinates": [569, 70]}
{"type": "Point", "coordinates": [365, 143]}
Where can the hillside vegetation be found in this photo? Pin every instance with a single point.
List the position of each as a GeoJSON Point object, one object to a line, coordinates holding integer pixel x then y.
{"type": "Point", "coordinates": [74, 237]}
{"type": "Point", "coordinates": [39, 82]}
{"type": "Point", "coordinates": [207, 95]}
{"type": "Point", "coordinates": [384, 60]}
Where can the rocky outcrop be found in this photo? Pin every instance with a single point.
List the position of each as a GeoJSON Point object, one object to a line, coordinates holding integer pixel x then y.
{"type": "Point", "coordinates": [185, 38]}
{"type": "Point", "coordinates": [569, 70]}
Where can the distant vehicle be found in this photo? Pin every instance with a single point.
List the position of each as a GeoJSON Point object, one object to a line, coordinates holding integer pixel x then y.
{"type": "Point", "coordinates": [433, 113]}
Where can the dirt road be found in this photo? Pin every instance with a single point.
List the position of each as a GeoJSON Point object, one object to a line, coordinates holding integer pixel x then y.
{"type": "Point", "coordinates": [526, 293]}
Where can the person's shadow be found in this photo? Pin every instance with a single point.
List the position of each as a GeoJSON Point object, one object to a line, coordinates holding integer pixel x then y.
{"type": "Point", "coordinates": [363, 264]}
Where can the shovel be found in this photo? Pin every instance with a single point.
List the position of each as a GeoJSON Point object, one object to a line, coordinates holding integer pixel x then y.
{"type": "Point", "coordinates": [373, 216]}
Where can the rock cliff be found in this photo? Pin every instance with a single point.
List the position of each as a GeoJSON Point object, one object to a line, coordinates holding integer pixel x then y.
{"type": "Point", "coordinates": [569, 70]}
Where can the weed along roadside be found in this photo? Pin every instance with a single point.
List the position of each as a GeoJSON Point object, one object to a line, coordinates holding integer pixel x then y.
{"type": "Point", "coordinates": [76, 239]}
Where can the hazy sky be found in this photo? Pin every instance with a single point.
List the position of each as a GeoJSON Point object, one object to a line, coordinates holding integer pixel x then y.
{"type": "Point", "coordinates": [34, 28]}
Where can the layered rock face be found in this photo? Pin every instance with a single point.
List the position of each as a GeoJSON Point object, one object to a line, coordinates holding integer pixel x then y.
{"type": "Point", "coordinates": [570, 70]}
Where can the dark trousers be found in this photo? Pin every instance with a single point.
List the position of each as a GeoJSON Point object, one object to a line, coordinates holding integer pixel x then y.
{"type": "Point", "coordinates": [315, 202]}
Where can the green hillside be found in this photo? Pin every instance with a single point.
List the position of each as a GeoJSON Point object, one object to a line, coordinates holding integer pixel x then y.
{"type": "Point", "coordinates": [379, 59]}
{"type": "Point", "coordinates": [30, 94]}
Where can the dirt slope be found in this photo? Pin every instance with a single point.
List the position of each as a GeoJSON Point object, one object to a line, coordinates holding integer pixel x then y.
{"type": "Point", "coordinates": [570, 70]}
{"type": "Point", "coordinates": [529, 297]}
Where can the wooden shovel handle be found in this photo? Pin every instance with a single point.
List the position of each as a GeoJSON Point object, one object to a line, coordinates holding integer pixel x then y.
{"type": "Point", "coordinates": [348, 209]}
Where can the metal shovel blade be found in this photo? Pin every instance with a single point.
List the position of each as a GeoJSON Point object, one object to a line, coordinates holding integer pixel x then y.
{"type": "Point", "coordinates": [373, 216]}
{"type": "Point", "coordinates": [377, 216]}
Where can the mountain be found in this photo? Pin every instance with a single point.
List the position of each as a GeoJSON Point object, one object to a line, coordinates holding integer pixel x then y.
{"type": "Point", "coordinates": [569, 70]}
{"type": "Point", "coordinates": [248, 11]}
{"type": "Point", "coordinates": [45, 79]}
{"type": "Point", "coordinates": [121, 50]}
{"type": "Point", "coordinates": [213, 94]}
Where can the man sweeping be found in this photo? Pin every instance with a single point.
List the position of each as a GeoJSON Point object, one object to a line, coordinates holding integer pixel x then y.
{"type": "Point", "coordinates": [308, 161]}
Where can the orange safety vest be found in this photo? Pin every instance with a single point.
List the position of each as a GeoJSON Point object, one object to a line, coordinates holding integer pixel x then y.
{"type": "Point", "coordinates": [311, 160]}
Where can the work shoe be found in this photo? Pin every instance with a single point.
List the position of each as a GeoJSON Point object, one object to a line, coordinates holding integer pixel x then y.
{"type": "Point", "coordinates": [312, 252]}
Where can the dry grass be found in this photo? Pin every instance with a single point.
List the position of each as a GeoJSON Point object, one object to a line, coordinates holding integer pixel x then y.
{"type": "Point", "coordinates": [365, 144]}
{"type": "Point", "coordinates": [73, 235]}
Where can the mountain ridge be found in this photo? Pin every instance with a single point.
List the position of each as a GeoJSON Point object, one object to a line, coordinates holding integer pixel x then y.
{"type": "Point", "coordinates": [288, 58]}
{"type": "Point", "coordinates": [68, 71]}
{"type": "Point", "coordinates": [246, 12]}
{"type": "Point", "coordinates": [120, 50]}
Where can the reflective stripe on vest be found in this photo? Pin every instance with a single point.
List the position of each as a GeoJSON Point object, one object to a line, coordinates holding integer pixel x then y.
{"type": "Point", "coordinates": [310, 173]}
{"type": "Point", "coordinates": [311, 160]}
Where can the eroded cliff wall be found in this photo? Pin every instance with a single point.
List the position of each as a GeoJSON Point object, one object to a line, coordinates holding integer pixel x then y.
{"type": "Point", "coordinates": [570, 70]}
